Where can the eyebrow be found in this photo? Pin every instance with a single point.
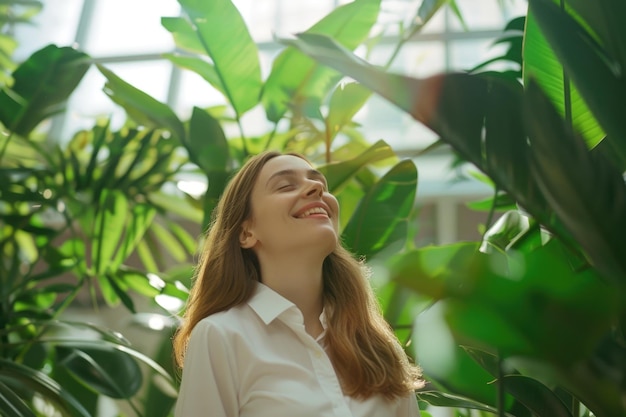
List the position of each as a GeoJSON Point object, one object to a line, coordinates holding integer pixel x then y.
{"type": "Point", "coordinates": [311, 174]}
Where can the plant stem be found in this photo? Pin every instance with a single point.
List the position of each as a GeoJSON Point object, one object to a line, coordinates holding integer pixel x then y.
{"type": "Point", "coordinates": [271, 136]}
{"type": "Point", "coordinates": [501, 390]}
{"type": "Point", "coordinates": [5, 145]}
{"type": "Point", "coordinates": [243, 137]}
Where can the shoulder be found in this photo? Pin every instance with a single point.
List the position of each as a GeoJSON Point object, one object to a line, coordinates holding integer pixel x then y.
{"type": "Point", "coordinates": [233, 321]}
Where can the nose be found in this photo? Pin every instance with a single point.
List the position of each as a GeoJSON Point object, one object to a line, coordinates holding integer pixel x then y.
{"type": "Point", "coordinates": [314, 188]}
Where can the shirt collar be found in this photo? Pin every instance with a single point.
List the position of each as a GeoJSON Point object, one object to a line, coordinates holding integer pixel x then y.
{"type": "Point", "coordinates": [268, 304]}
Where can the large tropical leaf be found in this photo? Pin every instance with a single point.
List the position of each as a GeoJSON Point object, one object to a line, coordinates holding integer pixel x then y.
{"type": "Point", "coordinates": [28, 381]}
{"type": "Point", "coordinates": [340, 173]}
{"type": "Point", "coordinates": [105, 370]}
{"type": "Point", "coordinates": [537, 397]}
{"type": "Point", "coordinates": [297, 79]}
{"type": "Point", "coordinates": [381, 217]}
{"type": "Point", "coordinates": [534, 395]}
{"type": "Point", "coordinates": [216, 29]}
{"type": "Point", "coordinates": [344, 103]}
{"type": "Point", "coordinates": [208, 148]}
{"type": "Point", "coordinates": [42, 85]}
{"type": "Point", "coordinates": [606, 19]}
{"type": "Point", "coordinates": [11, 404]}
{"type": "Point", "coordinates": [542, 65]}
{"type": "Point", "coordinates": [596, 76]}
{"type": "Point", "coordinates": [141, 107]}
{"type": "Point", "coordinates": [447, 365]}
{"type": "Point", "coordinates": [443, 399]}
{"type": "Point", "coordinates": [585, 189]}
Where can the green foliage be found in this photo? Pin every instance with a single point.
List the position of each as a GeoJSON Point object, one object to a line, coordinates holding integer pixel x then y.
{"type": "Point", "coordinates": [543, 313]}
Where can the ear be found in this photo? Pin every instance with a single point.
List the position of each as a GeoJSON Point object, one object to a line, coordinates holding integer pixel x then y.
{"type": "Point", "coordinates": [246, 237]}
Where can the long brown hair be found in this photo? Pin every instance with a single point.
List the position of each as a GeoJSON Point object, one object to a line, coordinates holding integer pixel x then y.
{"type": "Point", "coordinates": [360, 343]}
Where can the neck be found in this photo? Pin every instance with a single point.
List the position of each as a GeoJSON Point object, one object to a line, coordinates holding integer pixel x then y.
{"type": "Point", "coordinates": [301, 283]}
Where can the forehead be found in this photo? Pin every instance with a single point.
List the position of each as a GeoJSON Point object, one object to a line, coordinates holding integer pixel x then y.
{"type": "Point", "coordinates": [283, 163]}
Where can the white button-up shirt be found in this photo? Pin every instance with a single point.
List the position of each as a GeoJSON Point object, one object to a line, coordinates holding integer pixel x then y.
{"type": "Point", "coordinates": [256, 359]}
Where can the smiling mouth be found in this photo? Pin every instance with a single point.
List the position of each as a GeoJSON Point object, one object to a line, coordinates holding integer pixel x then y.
{"type": "Point", "coordinates": [313, 211]}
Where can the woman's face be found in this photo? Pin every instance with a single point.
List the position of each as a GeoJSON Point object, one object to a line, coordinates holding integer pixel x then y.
{"type": "Point", "coordinates": [291, 209]}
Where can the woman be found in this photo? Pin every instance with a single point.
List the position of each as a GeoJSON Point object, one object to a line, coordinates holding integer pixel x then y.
{"type": "Point", "coordinates": [281, 320]}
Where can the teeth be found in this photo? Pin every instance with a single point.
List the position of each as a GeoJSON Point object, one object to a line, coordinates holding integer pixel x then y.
{"type": "Point", "coordinates": [314, 210]}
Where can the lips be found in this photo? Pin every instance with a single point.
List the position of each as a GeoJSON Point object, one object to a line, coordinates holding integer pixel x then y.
{"type": "Point", "coordinates": [312, 209]}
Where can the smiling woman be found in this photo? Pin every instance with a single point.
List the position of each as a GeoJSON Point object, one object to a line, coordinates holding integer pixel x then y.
{"type": "Point", "coordinates": [281, 320]}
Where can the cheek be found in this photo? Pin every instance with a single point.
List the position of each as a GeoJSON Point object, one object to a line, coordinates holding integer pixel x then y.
{"type": "Point", "coordinates": [334, 206]}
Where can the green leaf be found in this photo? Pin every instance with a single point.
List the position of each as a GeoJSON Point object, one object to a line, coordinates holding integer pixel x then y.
{"type": "Point", "coordinates": [88, 398]}
{"type": "Point", "coordinates": [426, 270]}
{"type": "Point", "coordinates": [189, 242]}
{"type": "Point", "coordinates": [184, 34]}
{"type": "Point", "coordinates": [225, 39]}
{"type": "Point", "coordinates": [207, 145]}
{"type": "Point", "coordinates": [105, 370]}
{"type": "Point", "coordinates": [141, 107]}
{"type": "Point", "coordinates": [585, 189]}
{"type": "Point", "coordinates": [428, 8]}
{"type": "Point", "coordinates": [606, 19]}
{"type": "Point", "coordinates": [120, 292]}
{"type": "Point", "coordinates": [446, 364]}
{"type": "Point", "coordinates": [159, 398]}
{"type": "Point", "coordinates": [297, 79]}
{"type": "Point", "coordinates": [169, 242]}
{"type": "Point", "coordinates": [505, 231]}
{"type": "Point", "coordinates": [138, 281]}
{"type": "Point", "coordinates": [538, 398]}
{"type": "Point", "coordinates": [339, 174]}
{"type": "Point", "coordinates": [109, 293]}
{"type": "Point", "coordinates": [147, 257]}
{"type": "Point", "coordinates": [381, 217]}
{"type": "Point", "coordinates": [201, 67]}
{"type": "Point", "coordinates": [42, 85]}
{"type": "Point", "coordinates": [141, 217]}
{"type": "Point", "coordinates": [11, 404]}
{"type": "Point", "coordinates": [542, 65]}
{"type": "Point", "coordinates": [35, 381]}
{"type": "Point", "coordinates": [345, 102]}
{"type": "Point", "coordinates": [443, 399]}
{"type": "Point", "coordinates": [108, 229]}
{"type": "Point", "coordinates": [597, 80]}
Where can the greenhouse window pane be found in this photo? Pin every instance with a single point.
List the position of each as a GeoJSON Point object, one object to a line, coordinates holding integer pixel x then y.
{"type": "Point", "coordinates": [194, 90]}
{"type": "Point", "coordinates": [421, 59]}
{"type": "Point", "coordinates": [298, 16]}
{"type": "Point", "coordinates": [467, 53]}
{"type": "Point", "coordinates": [122, 27]}
{"type": "Point", "coordinates": [56, 23]}
{"type": "Point", "coordinates": [260, 17]}
{"type": "Point", "coordinates": [479, 15]}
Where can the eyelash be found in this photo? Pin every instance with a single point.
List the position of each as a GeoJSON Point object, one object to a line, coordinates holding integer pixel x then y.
{"type": "Point", "coordinates": [285, 187]}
